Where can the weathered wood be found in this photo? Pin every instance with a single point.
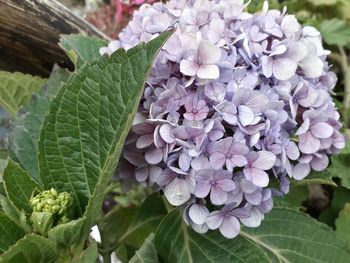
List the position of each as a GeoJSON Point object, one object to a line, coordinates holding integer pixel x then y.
{"type": "Point", "coordinates": [29, 34]}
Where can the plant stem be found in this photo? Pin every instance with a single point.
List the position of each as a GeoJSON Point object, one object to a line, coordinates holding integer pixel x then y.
{"type": "Point", "coordinates": [107, 257]}
{"type": "Point", "coordinates": [344, 63]}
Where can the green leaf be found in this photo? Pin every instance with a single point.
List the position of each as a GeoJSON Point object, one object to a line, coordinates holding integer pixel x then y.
{"type": "Point", "coordinates": [10, 233]}
{"type": "Point", "coordinates": [30, 249]}
{"type": "Point", "coordinates": [335, 32]}
{"type": "Point", "coordinates": [323, 2]}
{"type": "Point", "coordinates": [147, 253]}
{"type": "Point", "coordinates": [89, 255]}
{"type": "Point", "coordinates": [294, 199]}
{"type": "Point", "coordinates": [14, 213]}
{"type": "Point", "coordinates": [87, 123]}
{"type": "Point", "coordinates": [340, 166]}
{"type": "Point", "coordinates": [24, 137]}
{"type": "Point", "coordinates": [3, 164]}
{"type": "Point", "coordinates": [285, 236]}
{"type": "Point", "coordinates": [9, 209]}
{"type": "Point", "coordinates": [343, 224]}
{"type": "Point", "coordinates": [19, 186]}
{"type": "Point", "coordinates": [81, 49]}
{"type": "Point", "coordinates": [131, 225]}
{"type": "Point", "coordinates": [340, 197]}
{"type": "Point", "coordinates": [65, 235]}
{"type": "Point", "coordinates": [324, 177]}
{"type": "Point", "coordinates": [16, 89]}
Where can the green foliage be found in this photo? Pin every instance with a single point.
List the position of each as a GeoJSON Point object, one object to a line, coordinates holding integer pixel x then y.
{"type": "Point", "coordinates": [335, 32]}
{"type": "Point", "coordinates": [284, 236]}
{"type": "Point", "coordinates": [16, 89]}
{"type": "Point", "coordinates": [341, 196]}
{"type": "Point", "coordinates": [88, 120]}
{"type": "Point", "coordinates": [10, 232]}
{"type": "Point", "coordinates": [323, 2]}
{"type": "Point", "coordinates": [30, 249]}
{"type": "Point", "coordinates": [324, 177]}
{"type": "Point", "coordinates": [89, 255]}
{"type": "Point", "coordinates": [147, 253]}
{"type": "Point", "coordinates": [81, 49]}
{"type": "Point", "coordinates": [341, 165]}
{"type": "Point", "coordinates": [19, 186]}
{"type": "Point", "coordinates": [26, 128]}
{"type": "Point", "coordinates": [343, 223]}
{"type": "Point", "coordinates": [130, 226]}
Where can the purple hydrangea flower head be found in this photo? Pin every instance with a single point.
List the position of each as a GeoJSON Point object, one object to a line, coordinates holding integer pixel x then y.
{"type": "Point", "coordinates": [235, 103]}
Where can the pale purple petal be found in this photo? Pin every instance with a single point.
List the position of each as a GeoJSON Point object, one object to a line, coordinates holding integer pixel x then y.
{"type": "Point", "coordinates": [202, 188]}
{"type": "Point", "coordinates": [188, 68]}
{"type": "Point", "coordinates": [154, 156]}
{"type": "Point", "coordinates": [230, 227]}
{"type": "Point", "coordinates": [301, 170]}
{"type": "Point", "coordinates": [208, 53]}
{"type": "Point", "coordinates": [322, 130]}
{"type": "Point", "coordinates": [256, 176]}
{"type": "Point", "coordinates": [238, 160]}
{"type": "Point", "coordinates": [247, 186]}
{"type": "Point", "coordinates": [308, 143]}
{"type": "Point", "coordinates": [226, 185]}
{"type": "Point", "coordinates": [144, 141]}
{"type": "Point", "coordinates": [245, 115]}
{"type": "Point", "coordinates": [166, 133]}
{"type": "Point", "coordinates": [254, 198]}
{"type": "Point", "coordinates": [198, 214]}
{"type": "Point", "coordinates": [218, 196]}
{"type": "Point", "coordinates": [217, 160]}
{"type": "Point", "coordinates": [208, 71]}
{"type": "Point", "coordinates": [320, 163]}
{"type": "Point", "coordinates": [265, 160]}
{"type": "Point", "coordinates": [254, 220]}
{"type": "Point", "coordinates": [177, 192]}
{"type": "Point", "coordinates": [214, 220]}
{"type": "Point", "coordinates": [284, 68]}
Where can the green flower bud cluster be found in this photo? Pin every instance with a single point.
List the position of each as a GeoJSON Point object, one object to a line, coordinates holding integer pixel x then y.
{"type": "Point", "coordinates": [51, 201]}
{"type": "Point", "coordinates": [49, 209]}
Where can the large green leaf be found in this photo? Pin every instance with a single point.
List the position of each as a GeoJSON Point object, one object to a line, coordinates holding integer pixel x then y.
{"type": "Point", "coordinates": [147, 253]}
{"type": "Point", "coordinates": [19, 186]}
{"type": "Point", "coordinates": [88, 120]}
{"type": "Point", "coordinates": [10, 233]}
{"type": "Point", "coordinates": [16, 89]}
{"type": "Point", "coordinates": [285, 236]}
{"type": "Point", "coordinates": [132, 225]}
{"type": "Point", "coordinates": [81, 49]}
{"type": "Point", "coordinates": [30, 249]}
{"type": "Point", "coordinates": [343, 223]}
{"type": "Point", "coordinates": [24, 136]}
{"type": "Point", "coordinates": [335, 32]}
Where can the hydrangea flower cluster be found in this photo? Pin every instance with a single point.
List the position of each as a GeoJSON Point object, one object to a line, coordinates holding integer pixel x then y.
{"type": "Point", "coordinates": [234, 101]}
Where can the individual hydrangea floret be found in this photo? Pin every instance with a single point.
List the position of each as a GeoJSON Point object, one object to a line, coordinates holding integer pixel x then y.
{"type": "Point", "coordinates": [234, 104]}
